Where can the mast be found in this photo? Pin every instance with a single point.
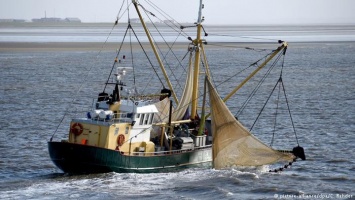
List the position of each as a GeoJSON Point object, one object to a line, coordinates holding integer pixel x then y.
{"type": "Point", "coordinates": [155, 51]}
{"type": "Point", "coordinates": [197, 42]}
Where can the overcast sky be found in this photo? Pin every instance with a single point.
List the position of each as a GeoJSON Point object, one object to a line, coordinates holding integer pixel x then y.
{"type": "Point", "coordinates": [215, 12]}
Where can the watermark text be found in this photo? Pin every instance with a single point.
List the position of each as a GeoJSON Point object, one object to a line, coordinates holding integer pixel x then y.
{"type": "Point", "coordinates": [313, 196]}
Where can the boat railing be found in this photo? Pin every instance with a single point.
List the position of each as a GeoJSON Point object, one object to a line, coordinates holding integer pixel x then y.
{"type": "Point", "coordinates": [114, 117]}
{"type": "Point", "coordinates": [161, 153]}
{"type": "Point", "coordinates": [122, 117]}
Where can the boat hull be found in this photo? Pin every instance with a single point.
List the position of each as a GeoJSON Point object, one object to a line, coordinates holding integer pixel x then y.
{"type": "Point", "coordinates": [78, 159]}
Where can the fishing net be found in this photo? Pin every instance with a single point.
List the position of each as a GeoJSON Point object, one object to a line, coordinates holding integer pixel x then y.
{"type": "Point", "coordinates": [233, 144]}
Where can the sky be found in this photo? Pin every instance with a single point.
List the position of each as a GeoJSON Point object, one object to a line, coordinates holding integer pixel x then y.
{"type": "Point", "coordinates": [239, 12]}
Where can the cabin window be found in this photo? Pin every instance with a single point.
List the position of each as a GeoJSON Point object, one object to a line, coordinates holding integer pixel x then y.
{"type": "Point", "coordinates": [127, 129]}
{"type": "Point", "coordinates": [151, 118]}
{"type": "Point", "coordinates": [117, 130]}
{"type": "Point", "coordinates": [141, 120]}
{"type": "Point", "coordinates": [146, 119]}
{"type": "Point", "coordinates": [138, 115]}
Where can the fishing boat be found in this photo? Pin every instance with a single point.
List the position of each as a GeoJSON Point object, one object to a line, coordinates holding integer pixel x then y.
{"type": "Point", "coordinates": [125, 131]}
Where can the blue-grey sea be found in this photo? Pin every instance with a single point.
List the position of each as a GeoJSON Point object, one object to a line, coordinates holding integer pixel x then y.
{"type": "Point", "coordinates": [37, 88]}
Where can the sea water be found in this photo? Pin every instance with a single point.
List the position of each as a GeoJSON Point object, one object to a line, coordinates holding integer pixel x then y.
{"type": "Point", "coordinates": [37, 89]}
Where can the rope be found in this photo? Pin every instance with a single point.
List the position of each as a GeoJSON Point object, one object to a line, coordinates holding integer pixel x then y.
{"type": "Point", "coordinates": [267, 100]}
{"type": "Point", "coordinates": [130, 43]}
{"type": "Point", "coordinates": [277, 109]}
{"type": "Point", "coordinates": [237, 47]}
{"type": "Point", "coordinates": [257, 38]}
{"type": "Point", "coordinates": [118, 52]}
{"type": "Point", "coordinates": [257, 87]}
{"type": "Point", "coordinates": [132, 60]}
{"type": "Point", "coordinates": [145, 53]}
{"type": "Point", "coordinates": [284, 91]}
{"type": "Point", "coordinates": [289, 111]}
{"type": "Point", "coordinates": [179, 62]}
{"type": "Point", "coordinates": [87, 74]}
{"type": "Point", "coordinates": [166, 16]}
{"type": "Point", "coordinates": [182, 74]}
{"type": "Point", "coordinates": [169, 46]}
{"type": "Point", "coordinates": [108, 36]}
{"type": "Point", "coordinates": [239, 72]}
{"type": "Point", "coordinates": [280, 83]}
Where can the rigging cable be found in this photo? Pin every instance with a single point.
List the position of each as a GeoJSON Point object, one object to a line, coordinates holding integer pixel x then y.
{"type": "Point", "coordinates": [236, 47]}
{"type": "Point", "coordinates": [169, 46]}
{"type": "Point", "coordinates": [239, 72]}
{"type": "Point", "coordinates": [277, 109]}
{"type": "Point", "coordinates": [145, 53]}
{"type": "Point", "coordinates": [166, 16]}
{"type": "Point", "coordinates": [169, 19]}
{"type": "Point", "coordinates": [184, 70]}
{"type": "Point", "coordinates": [288, 107]}
{"type": "Point", "coordinates": [130, 42]}
{"type": "Point", "coordinates": [281, 84]}
{"type": "Point", "coordinates": [108, 36]}
{"type": "Point", "coordinates": [256, 89]}
{"type": "Point", "coordinates": [284, 91]}
{"type": "Point", "coordinates": [85, 77]}
{"type": "Point", "coordinates": [257, 38]}
{"type": "Point", "coordinates": [118, 52]}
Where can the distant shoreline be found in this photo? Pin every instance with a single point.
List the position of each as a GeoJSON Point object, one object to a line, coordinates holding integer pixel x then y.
{"type": "Point", "coordinates": [96, 46]}
{"type": "Point", "coordinates": [110, 24]}
{"type": "Point", "coordinates": [90, 36]}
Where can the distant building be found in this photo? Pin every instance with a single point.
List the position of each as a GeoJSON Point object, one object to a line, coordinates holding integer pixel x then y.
{"type": "Point", "coordinates": [12, 20]}
{"type": "Point", "coordinates": [49, 19]}
{"type": "Point", "coordinates": [72, 19]}
{"type": "Point", "coordinates": [135, 20]}
{"type": "Point", "coordinates": [54, 19]}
